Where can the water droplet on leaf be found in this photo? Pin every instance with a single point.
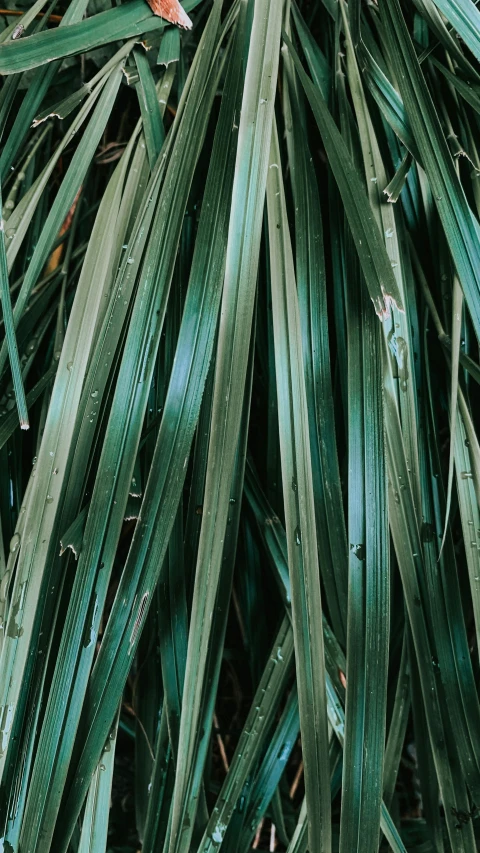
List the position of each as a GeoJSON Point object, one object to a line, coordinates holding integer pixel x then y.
{"type": "Point", "coordinates": [14, 543]}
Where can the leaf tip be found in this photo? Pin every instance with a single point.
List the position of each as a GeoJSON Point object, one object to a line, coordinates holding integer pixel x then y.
{"type": "Point", "coordinates": [172, 11]}
{"type": "Point", "coordinates": [383, 307]}
{"type": "Point", "coordinates": [63, 548]}
{"type": "Point", "coordinates": [40, 119]}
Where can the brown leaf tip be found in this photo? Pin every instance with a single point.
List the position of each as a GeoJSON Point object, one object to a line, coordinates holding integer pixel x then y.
{"type": "Point", "coordinates": [172, 11]}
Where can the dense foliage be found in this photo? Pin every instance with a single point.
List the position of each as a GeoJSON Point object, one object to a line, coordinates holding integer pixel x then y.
{"type": "Point", "coordinates": [239, 455]}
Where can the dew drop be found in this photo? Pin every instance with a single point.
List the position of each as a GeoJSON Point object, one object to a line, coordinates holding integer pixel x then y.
{"type": "Point", "coordinates": [298, 538]}
{"type": "Point", "coordinates": [14, 543]}
{"type": "Point", "coordinates": [4, 586]}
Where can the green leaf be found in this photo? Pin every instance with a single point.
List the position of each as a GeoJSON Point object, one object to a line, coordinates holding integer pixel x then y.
{"type": "Point", "coordinates": [312, 298]}
{"type": "Point", "coordinates": [460, 228]}
{"type": "Point", "coordinates": [389, 102]}
{"type": "Point", "coordinates": [110, 494]}
{"type": "Point", "coordinates": [10, 330]}
{"type": "Point", "coordinates": [169, 47]}
{"type": "Point", "coordinates": [147, 195]}
{"type": "Point", "coordinates": [465, 18]}
{"type": "Point", "coordinates": [464, 88]}
{"type": "Point", "coordinates": [131, 19]}
{"type": "Point", "coordinates": [371, 251]}
{"type": "Point", "coordinates": [63, 108]}
{"type": "Point", "coordinates": [234, 336]}
{"type": "Point", "coordinates": [264, 706]}
{"type": "Point", "coordinates": [273, 765]}
{"type": "Point", "coordinates": [67, 193]}
{"type": "Point", "coordinates": [149, 108]}
{"type": "Point", "coordinates": [369, 592]}
{"type": "Point", "coordinates": [396, 185]}
{"type": "Point", "coordinates": [40, 517]}
{"type": "Point", "coordinates": [398, 727]}
{"type": "Point", "coordinates": [35, 94]}
{"type": "Point", "coordinates": [299, 509]}
{"type": "Point", "coordinates": [93, 837]}
{"type": "Point", "coordinates": [181, 409]}
{"type": "Point", "coordinates": [406, 538]}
